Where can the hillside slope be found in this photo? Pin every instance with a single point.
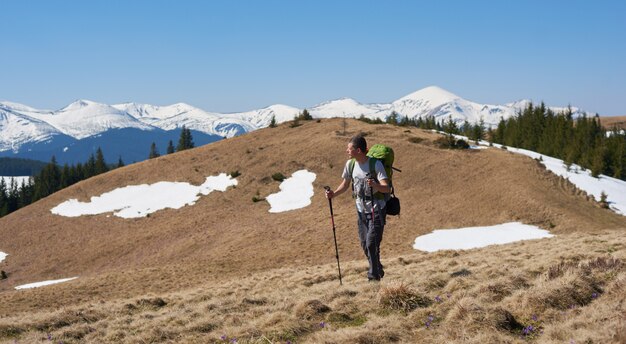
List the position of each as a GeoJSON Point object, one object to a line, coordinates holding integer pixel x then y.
{"type": "Point", "coordinates": [225, 235]}
{"type": "Point", "coordinates": [615, 121]}
{"type": "Point", "coordinates": [567, 289]}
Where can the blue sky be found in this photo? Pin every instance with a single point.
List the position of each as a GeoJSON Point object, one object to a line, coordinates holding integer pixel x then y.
{"type": "Point", "coordinates": [229, 56]}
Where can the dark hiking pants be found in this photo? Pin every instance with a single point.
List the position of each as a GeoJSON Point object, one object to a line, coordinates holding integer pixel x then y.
{"type": "Point", "coordinates": [371, 235]}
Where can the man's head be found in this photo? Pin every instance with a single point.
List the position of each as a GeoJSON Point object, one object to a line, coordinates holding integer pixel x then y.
{"type": "Point", "coordinates": [357, 147]}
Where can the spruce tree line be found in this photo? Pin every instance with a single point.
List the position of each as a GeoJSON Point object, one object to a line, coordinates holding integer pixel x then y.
{"type": "Point", "coordinates": [49, 180]}
{"type": "Point", "coordinates": [580, 141]}
{"type": "Point", "coordinates": [474, 131]}
{"type": "Point", "coordinates": [184, 142]}
{"type": "Point", "coordinates": [53, 178]}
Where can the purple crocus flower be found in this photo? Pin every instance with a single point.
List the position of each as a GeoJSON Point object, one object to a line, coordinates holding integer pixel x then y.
{"type": "Point", "coordinates": [534, 317]}
{"type": "Point", "coordinates": [594, 295]}
{"type": "Point", "coordinates": [528, 330]}
{"type": "Point", "coordinates": [322, 324]}
{"type": "Point", "coordinates": [223, 337]}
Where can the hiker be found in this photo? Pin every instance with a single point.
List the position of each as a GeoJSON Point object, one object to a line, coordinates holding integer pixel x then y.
{"type": "Point", "coordinates": [366, 183]}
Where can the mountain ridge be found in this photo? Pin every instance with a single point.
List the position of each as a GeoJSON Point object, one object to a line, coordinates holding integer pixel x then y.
{"type": "Point", "coordinates": [85, 118]}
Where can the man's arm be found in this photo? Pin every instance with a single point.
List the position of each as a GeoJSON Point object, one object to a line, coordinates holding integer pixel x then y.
{"type": "Point", "coordinates": [383, 186]}
{"type": "Point", "coordinates": [383, 183]}
{"type": "Point", "coordinates": [345, 184]}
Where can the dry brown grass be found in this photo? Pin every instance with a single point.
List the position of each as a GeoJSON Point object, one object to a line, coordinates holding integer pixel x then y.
{"type": "Point", "coordinates": [399, 296]}
{"type": "Point", "coordinates": [565, 295]}
{"type": "Point", "coordinates": [609, 122]}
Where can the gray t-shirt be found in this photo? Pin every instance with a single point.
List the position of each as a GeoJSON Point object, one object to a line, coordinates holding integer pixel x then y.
{"type": "Point", "coordinates": [361, 190]}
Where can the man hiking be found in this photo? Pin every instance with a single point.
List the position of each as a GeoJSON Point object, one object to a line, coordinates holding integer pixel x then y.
{"type": "Point", "coordinates": [370, 209]}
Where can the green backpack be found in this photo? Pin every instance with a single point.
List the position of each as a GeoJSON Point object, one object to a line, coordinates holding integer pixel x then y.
{"type": "Point", "coordinates": [386, 156]}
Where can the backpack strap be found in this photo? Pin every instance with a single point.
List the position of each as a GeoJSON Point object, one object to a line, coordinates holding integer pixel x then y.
{"type": "Point", "coordinates": [350, 170]}
{"type": "Point", "coordinates": [372, 162]}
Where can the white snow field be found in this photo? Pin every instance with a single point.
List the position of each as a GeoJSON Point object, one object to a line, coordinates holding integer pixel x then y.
{"type": "Point", "coordinates": [295, 192]}
{"type": "Point", "coordinates": [140, 200]}
{"type": "Point", "coordinates": [614, 188]}
{"type": "Point", "coordinates": [2, 256]}
{"type": "Point", "coordinates": [44, 283]}
{"type": "Point", "coordinates": [476, 237]}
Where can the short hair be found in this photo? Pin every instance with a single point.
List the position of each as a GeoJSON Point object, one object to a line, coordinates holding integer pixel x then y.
{"type": "Point", "coordinates": [358, 141]}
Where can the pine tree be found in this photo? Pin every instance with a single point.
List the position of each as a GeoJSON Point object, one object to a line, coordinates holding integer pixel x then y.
{"type": "Point", "coordinates": [190, 139]}
{"type": "Point", "coordinates": [185, 141]}
{"type": "Point", "coordinates": [13, 196]}
{"type": "Point", "coordinates": [306, 115]}
{"type": "Point", "coordinates": [273, 122]}
{"type": "Point", "coordinates": [466, 129]}
{"type": "Point", "coordinates": [26, 194]}
{"type": "Point", "coordinates": [450, 126]}
{"type": "Point", "coordinates": [154, 152]}
{"type": "Point", "coordinates": [478, 130]}
{"type": "Point", "coordinates": [4, 206]}
{"type": "Point", "coordinates": [89, 170]}
{"type": "Point", "coordinates": [392, 118]}
{"type": "Point", "coordinates": [120, 163]}
{"type": "Point", "coordinates": [598, 161]}
{"type": "Point", "coordinates": [100, 165]}
{"type": "Point", "coordinates": [405, 121]}
{"type": "Point", "coordinates": [80, 173]}
{"type": "Point", "coordinates": [170, 147]}
{"type": "Point", "coordinates": [48, 181]}
{"type": "Point", "coordinates": [66, 178]}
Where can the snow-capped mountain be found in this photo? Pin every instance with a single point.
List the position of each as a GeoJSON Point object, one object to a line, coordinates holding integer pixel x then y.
{"type": "Point", "coordinates": [85, 118]}
{"type": "Point", "coordinates": [262, 118]}
{"type": "Point", "coordinates": [175, 116]}
{"type": "Point", "coordinates": [441, 104]}
{"type": "Point", "coordinates": [17, 129]}
{"type": "Point", "coordinates": [347, 107]}
{"type": "Point", "coordinates": [422, 102]}
{"type": "Point", "coordinates": [22, 126]}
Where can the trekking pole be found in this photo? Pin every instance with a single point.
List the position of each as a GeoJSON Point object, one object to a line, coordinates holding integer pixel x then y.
{"type": "Point", "coordinates": [332, 219]}
{"type": "Point", "coordinates": [380, 219]}
{"type": "Point", "coordinates": [371, 197]}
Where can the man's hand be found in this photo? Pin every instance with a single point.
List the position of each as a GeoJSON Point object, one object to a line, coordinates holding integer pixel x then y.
{"type": "Point", "coordinates": [329, 192]}
{"type": "Point", "coordinates": [379, 186]}
{"type": "Point", "coordinates": [345, 184]}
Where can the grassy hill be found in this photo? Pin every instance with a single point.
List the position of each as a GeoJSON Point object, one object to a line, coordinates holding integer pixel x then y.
{"type": "Point", "coordinates": [226, 266]}
{"type": "Point", "coordinates": [613, 121]}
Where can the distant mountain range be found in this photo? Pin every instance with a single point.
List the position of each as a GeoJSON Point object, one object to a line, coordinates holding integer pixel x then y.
{"type": "Point", "coordinates": [127, 130]}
